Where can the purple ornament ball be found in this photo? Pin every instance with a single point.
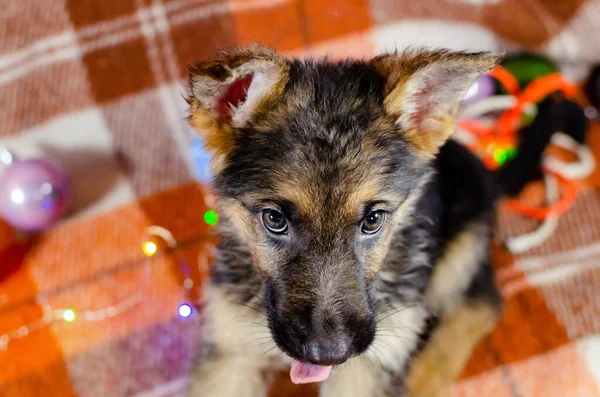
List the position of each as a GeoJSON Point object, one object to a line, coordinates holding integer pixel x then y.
{"type": "Point", "coordinates": [483, 87]}
{"type": "Point", "coordinates": [34, 194]}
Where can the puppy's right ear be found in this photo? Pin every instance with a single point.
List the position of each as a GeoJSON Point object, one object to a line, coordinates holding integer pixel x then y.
{"type": "Point", "coordinates": [229, 91]}
{"type": "Point", "coordinates": [423, 91]}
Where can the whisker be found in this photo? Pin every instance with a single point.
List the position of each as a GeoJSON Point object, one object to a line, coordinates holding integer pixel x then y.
{"type": "Point", "coordinates": [385, 309]}
{"type": "Point", "coordinates": [385, 328]}
{"type": "Point", "coordinates": [259, 332]}
{"type": "Point", "coordinates": [262, 338]}
{"type": "Point", "coordinates": [271, 349]}
{"type": "Point", "coordinates": [388, 346]}
{"type": "Point", "coordinates": [389, 307]}
{"type": "Point", "coordinates": [261, 344]}
{"type": "Point", "coordinates": [262, 300]}
{"type": "Point", "coordinates": [241, 327]}
{"type": "Point", "coordinates": [397, 311]}
{"type": "Point", "coordinates": [253, 308]}
{"type": "Point", "coordinates": [252, 322]}
{"type": "Point", "coordinates": [237, 301]}
{"type": "Point", "coordinates": [376, 355]}
{"type": "Point", "coordinates": [393, 336]}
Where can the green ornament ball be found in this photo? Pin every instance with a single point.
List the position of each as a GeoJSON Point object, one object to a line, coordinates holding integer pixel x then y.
{"type": "Point", "coordinates": [527, 67]}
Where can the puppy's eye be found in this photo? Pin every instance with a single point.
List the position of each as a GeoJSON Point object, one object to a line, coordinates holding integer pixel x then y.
{"type": "Point", "coordinates": [274, 221]}
{"type": "Point", "coordinates": [373, 222]}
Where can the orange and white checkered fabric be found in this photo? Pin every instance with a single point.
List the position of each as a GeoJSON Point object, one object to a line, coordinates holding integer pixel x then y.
{"type": "Point", "coordinates": [97, 86]}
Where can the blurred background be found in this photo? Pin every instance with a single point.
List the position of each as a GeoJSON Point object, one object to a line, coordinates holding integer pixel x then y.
{"type": "Point", "coordinates": [98, 298]}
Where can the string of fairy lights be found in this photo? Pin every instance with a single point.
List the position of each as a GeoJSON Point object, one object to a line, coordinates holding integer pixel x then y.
{"type": "Point", "coordinates": [158, 240]}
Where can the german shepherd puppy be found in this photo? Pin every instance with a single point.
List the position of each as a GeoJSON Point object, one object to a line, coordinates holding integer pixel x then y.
{"type": "Point", "coordinates": [353, 235]}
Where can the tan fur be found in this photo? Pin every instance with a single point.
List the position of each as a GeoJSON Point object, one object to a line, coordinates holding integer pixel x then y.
{"type": "Point", "coordinates": [355, 193]}
{"type": "Point", "coordinates": [378, 252]}
{"type": "Point", "coordinates": [236, 212]}
{"type": "Point", "coordinates": [456, 268]}
{"type": "Point", "coordinates": [299, 192]}
{"type": "Point", "coordinates": [447, 352]}
{"type": "Point", "coordinates": [426, 143]}
{"type": "Point", "coordinates": [377, 256]}
{"type": "Point", "coordinates": [358, 195]}
{"type": "Point", "coordinates": [218, 138]}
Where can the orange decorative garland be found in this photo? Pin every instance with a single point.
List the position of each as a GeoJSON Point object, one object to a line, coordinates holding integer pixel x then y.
{"type": "Point", "coordinates": [503, 135]}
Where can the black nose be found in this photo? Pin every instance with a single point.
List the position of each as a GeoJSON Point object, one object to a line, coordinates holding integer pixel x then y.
{"type": "Point", "coordinates": [328, 351]}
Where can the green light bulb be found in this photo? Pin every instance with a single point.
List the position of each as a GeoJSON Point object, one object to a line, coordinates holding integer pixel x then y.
{"type": "Point", "coordinates": [500, 156]}
{"type": "Point", "coordinates": [211, 217]}
{"type": "Point", "coordinates": [69, 315]}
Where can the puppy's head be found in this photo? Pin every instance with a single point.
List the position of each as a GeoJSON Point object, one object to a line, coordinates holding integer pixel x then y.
{"type": "Point", "coordinates": [316, 165]}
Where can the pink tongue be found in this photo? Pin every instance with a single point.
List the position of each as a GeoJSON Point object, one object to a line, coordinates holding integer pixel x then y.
{"type": "Point", "coordinates": [308, 373]}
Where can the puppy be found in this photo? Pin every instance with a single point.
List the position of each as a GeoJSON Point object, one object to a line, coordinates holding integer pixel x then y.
{"type": "Point", "coordinates": [353, 235]}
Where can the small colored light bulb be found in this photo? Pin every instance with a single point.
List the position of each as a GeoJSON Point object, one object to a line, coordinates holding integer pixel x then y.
{"type": "Point", "coordinates": [500, 156]}
{"type": "Point", "coordinates": [211, 217]}
{"type": "Point", "coordinates": [149, 248]}
{"type": "Point", "coordinates": [185, 310]}
{"type": "Point", "coordinates": [6, 157]}
{"type": "Point", "coordinates": [68, 315]}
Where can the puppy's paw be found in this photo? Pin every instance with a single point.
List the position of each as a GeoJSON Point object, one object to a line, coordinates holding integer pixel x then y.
{"type": "Point", "coordinates": [427, 379]}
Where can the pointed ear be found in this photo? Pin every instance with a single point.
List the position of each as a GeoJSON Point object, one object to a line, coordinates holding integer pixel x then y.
{"type": "Point", "coordinates": [424, 90]}
{"type": "Point", "coordinates": [230, 90]}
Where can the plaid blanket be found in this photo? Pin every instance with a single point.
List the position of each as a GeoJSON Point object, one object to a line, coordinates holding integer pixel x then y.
{"type": "Point", "coordinates": [96, 86]}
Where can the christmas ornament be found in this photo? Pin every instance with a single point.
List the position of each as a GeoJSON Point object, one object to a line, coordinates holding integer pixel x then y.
{"type": "Point", "coordinates": [483, 87]}
{"type": "Point", "coordinates": [528, 67]}
{"type": "Point", "coordinates": [34, 194]}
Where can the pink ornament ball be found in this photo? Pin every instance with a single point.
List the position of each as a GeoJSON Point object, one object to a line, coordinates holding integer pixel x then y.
{"type": "Point", "coordinates": [34, 194]}
{"type": "Point", "coordinates": [483, 87]}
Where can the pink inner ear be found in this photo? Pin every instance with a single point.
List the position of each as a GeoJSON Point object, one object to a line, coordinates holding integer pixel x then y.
{"type": "Point", "coordinates": [232, 96]}
{"type": "Point", "coordinates": [423, 108]}
{"type": "Point", "coordinates": [426, 100]}
{"type": "Point", "coordinates": [423, 104]}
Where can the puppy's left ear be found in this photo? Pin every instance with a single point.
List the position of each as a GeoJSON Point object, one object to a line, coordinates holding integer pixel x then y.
{"type": "Point", "coordinates": [424, 89]}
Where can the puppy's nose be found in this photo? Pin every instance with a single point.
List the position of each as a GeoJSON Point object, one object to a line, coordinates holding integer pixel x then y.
{"type": "Point", "coordinates": [328, 351]}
